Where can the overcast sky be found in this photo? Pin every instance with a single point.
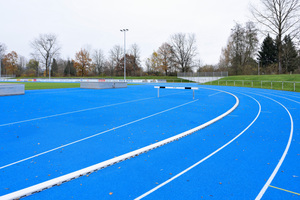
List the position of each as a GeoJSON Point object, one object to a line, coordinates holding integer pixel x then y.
{"type": "Point", "coordinates": [97, 23]}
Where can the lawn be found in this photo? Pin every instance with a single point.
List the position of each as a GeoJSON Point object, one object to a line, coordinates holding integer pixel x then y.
{"type": "Point", "coordinates": [38, 85]}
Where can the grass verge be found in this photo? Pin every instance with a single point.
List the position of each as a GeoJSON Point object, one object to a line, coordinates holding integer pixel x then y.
{"type": "Point", "coordinates": [167, 78]}
{"type": "Point", "coordinates": [38, 85]}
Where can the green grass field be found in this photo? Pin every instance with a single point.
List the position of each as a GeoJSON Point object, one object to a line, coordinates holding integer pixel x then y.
{"type": "Point", "coordinates": [38, 85]}
{"type": "Point", "coordinates": [168, 78]}
{"type": "Point", "coordinates": [277, 82]}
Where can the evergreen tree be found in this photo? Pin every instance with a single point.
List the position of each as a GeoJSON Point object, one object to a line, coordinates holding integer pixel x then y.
{"type": "Point", "coordinates": [54, 68]}
{"type": "Point", "coordinates": [268, 52]}
{"type": "Point", "coordinates": [290, 55]}
{"type": "Point", "coordinates": [70, 69]}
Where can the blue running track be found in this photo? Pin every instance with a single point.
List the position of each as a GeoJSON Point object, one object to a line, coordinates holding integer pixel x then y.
{"type": "Point", "coordinates": [252, 153]}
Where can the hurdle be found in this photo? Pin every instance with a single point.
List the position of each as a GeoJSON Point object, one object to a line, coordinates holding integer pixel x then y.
{"type": "Point", "coordinates": [178, 88]}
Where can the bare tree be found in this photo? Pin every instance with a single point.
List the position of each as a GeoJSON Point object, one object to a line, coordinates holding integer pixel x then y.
{"type": "Point", "coordinates": [115, 56]}
{"type": "Point", "coordinates": [2, 52]}
{"type": "Point", "coordinates": [2, 49]}
{"type": "Point", "coordinates": [280, 17]}
{"type": "Point", "coordinates": [46, 48]}
{"type": "Point", "coordinates": [148, 65]}
{"type": "Point", "coordinates": [135, 52]}
{"type": "Point", "coordinates": [241, 48]}
{"type": "Point", "coordinates": [99, 60]}
{"type": "Point", "coordinates": [21, 65]}
{"type": "Point", "coordinates": [184, 50]}
{"type": "Point", "coordinates": [165, 54]}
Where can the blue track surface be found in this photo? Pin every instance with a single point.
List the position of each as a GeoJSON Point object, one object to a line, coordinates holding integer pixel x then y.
{"type": "Point", "coordinates": [49, 133]}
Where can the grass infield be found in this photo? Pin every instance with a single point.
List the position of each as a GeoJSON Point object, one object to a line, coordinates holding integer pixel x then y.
{"type": "Point", "coordinates": [38, 85]}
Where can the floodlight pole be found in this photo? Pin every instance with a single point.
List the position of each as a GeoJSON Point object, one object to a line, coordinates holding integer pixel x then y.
{"type": "Point", "coordinates": [124, 30]}
{"type": "Point", "coordinates": [49, 40]}
{"type": "Point", "coordinates": [258, 68]}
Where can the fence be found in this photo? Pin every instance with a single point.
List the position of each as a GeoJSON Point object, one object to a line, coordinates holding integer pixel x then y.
{"type": "Point", "coordinates": [278, 85]}
{"type": "Point", "coordinates": [7, 76]}
{"type": "Point", "coordinates": [202, 74]}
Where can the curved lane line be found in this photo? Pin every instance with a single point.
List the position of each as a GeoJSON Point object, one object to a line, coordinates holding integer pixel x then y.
{"type": "Point", "coordinates": [68, 177]}
{"type": "Point", "coordinates": [280, 97]}
{"type": "Point", "coordinates": [288, 95]}
{"type": "Point", "coordinates": [267, 184]}
{"type": "Point", "coordinates": [199, 162]}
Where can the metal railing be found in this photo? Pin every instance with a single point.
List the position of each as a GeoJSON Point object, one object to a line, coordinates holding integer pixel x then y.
{"type": "Point", "coordinates": [7, 76]}
{"type": "Point", "coordinates": [202, 74]}
{"type": "Point", "coordinates": [278, 85]}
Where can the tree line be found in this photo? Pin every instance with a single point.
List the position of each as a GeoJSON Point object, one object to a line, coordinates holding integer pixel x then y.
{"type": "Point", "coordinates": [244, 55]}
{"type": "Point", "coordinates": [167, 60]}
{"type": "Point", "coordinates": [279, 21]}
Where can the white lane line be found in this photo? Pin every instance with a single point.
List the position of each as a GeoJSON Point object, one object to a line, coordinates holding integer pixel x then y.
{"type": "Point", "coordinates": [199, 162]}
{"type": "Point", "coordinates": [72, 112]}
{"type": "Point", "coordinates": [214, 94]}
{"type": "Point", "coordinates": [287, 95]}
{"type": "Point", "coordinates": [267, 184]}
{"type": "Point", "coordinates": [279, 97]}
{"type": "Point", "coordinates": [77, 141]}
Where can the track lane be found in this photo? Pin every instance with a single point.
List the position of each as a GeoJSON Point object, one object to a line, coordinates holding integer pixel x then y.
{"type": "Point", "coordinates": [51, 170]}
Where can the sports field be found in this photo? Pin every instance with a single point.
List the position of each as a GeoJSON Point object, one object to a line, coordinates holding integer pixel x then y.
{"type": "Point", "coordinates": [227, 143]}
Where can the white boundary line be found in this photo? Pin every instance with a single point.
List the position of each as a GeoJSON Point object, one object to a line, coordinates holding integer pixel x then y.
{"type": "Point", "coordinates": [207, 157]}
{"type": "Point", "coordinates": [77, 141]}
{"type": "Point", "coordinates": [68, 177]}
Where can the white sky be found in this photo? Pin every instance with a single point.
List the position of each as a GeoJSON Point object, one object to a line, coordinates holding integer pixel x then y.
{"type": "Point", "coordinates": [97, 23]}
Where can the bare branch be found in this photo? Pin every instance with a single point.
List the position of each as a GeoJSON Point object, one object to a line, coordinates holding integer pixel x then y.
{"type": "Point", "coordinates": [46, 48]}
